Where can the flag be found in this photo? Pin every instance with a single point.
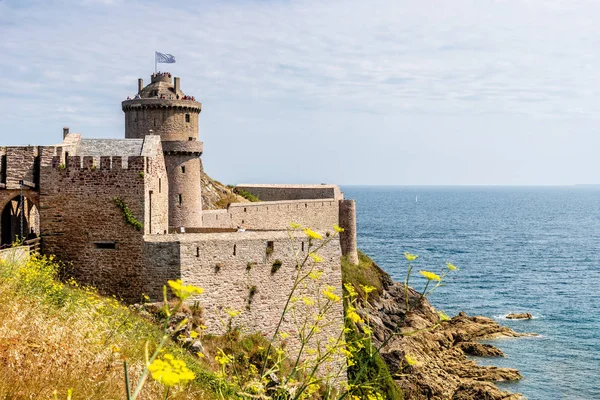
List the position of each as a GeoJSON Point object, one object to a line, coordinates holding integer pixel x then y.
{"type": "Point", "coordinates": [164, 58]}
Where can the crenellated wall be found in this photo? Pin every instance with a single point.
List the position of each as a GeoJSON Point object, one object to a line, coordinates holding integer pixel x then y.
{"type": "Point", "coordinates": [82, 224]}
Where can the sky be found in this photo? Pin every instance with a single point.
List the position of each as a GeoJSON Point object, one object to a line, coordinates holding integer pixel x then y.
{"type": "Point", "coordinates": [461, 92]}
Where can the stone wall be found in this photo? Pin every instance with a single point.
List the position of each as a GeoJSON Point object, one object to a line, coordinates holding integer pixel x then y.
{"type": "Point", "coordinates": [170, 119]}
{"type": "Point", "coordinates": [292, 192]}
{"type": "Point", "coordinates": [236, 271]}
{"type": "Point", "coordinates": [319, 215]}
{"type": "Point", "coordinates": [15, 254]}
{"type": "Point", "coordinates": [185, 199]}
{"type": "Point", "coordinates": [21, 163]}
{"type": "Point", "coordinates": [156, 212]}
{"type": "Point", "coordinates": [80, 222]}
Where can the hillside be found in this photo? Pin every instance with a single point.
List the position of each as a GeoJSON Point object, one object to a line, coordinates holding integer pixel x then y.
{"type": "Point", "coordinates": [59, 336]}
{"type": "Point", "coordinates": [215, 195]}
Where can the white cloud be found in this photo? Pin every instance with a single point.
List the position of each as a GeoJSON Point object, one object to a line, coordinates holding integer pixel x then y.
{"type": "Point", "coordinates": [286, 67]}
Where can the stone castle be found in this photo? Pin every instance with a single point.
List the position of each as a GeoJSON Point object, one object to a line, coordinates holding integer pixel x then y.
{"type": "Point", "coordinates": [126, 214]}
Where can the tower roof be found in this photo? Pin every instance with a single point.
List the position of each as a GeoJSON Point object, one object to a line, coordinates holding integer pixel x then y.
{"type": "Point", "coordinates": [161, 85]}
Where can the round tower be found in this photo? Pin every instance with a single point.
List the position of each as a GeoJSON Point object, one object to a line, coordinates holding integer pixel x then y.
{"type": "Point", "coordinates": [161, 108]}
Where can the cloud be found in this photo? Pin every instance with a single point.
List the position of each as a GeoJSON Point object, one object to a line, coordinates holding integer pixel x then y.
{"type": "Point", "coordinates": [257, 60]}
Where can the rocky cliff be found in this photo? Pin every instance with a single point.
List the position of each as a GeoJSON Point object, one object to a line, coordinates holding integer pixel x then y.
{"type": "Point", "coordinates": [216, 195]}
{"type": "Point", "coordinates": [437, 351]}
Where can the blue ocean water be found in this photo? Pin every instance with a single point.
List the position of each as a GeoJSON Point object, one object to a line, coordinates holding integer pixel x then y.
{"type": "Point", "coordinates": [519, 249]}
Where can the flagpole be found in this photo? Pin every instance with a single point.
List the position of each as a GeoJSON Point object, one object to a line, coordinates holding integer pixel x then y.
{"type": "Point", "coordinates": [155, 61]}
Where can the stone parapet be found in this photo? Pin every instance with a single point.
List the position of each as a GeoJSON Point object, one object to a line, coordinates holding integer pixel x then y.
{"type": "Point", "coordinates": [183, 147]}
{"type": "Point", "coordinates": [91, 163]}
{"type": "Point", "coordinates": [278, 192]}
{"type": "Point", "coordinates": [157, 103]}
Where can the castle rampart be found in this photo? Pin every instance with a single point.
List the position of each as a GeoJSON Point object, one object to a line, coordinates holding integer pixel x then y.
{"type": "Point", "coordinates": [237, 271]}
{"type": "Point", "coordinates": [266, 192]}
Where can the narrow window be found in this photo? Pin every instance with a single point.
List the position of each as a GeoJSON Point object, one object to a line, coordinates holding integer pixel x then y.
{"type": "Point", "coordinates": [183, 169]}
{"type": "Point", "coordinates": [302, 245]}
{"type": "Point", "coordinates": [105, 245]}
{"type": "Point", "coordinates": [159, 186]}
{"type": "Point", "coordinates": [67, 159]}
{"type": "Point", "coordinates": [197, 251]}
{"type": "Point", "coordinates": [187, 118]}
{"type": "Point", "coordinates": [179, 198]}
{"type": "Point", "coordinates": [234, 249]}
{"type": "Point", "coordinates": [270, 247]}
{"type": "Point", "coordinates": [244, 209]}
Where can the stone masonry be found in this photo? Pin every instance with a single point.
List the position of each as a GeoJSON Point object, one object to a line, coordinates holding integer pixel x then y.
{"type": "Point", "coordinates": [69, 195]}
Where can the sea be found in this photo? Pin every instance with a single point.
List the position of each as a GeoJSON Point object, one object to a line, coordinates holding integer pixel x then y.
{"type": "Point", "coordinates": [519, 249]}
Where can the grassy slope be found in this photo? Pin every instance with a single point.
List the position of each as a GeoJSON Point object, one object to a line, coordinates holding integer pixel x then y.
{"type": "Point", "coordinates": [367, 273]}
{"type": "Point", "coordinates": [59, 336]}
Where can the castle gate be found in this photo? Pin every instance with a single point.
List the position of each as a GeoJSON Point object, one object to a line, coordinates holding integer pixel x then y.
{"type": "Point", "coordinates": [20, 215]}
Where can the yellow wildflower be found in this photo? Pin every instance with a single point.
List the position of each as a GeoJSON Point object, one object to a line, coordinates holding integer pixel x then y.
{"type": "Point", "coordinates": [350, 289]}
{"type": "Point", "coordinates": [194, 334]}
{"type": "Point", "coordinates": [232, 313]}
{"type": "Point", "coordinates": [410, 360]}
{"type": "Point", "coordinates": [338, 229]}
{"type": "Point", "coordinates": [328, 292]}
{"type": "Point", "coordinates": [410, 257]}
{"type": "Point", "coordinates": [451, 266]}
{"type": "Point", "coordinates": [443, 316]}
{"type": "Point", "coordinates": [308, 301]}
{"type": "Point", "coordinates": [352, 315]}
{"type": "Point", "coordinates": [315, 275]}
{"type": "Point", "coordinates": [316, 258]}
{"type": "Point", "coordinates": [295, 225]}
{"type": "Point", "coordinates": [184, 291]}
{"type": "Point", "coordinates": [170, 371]}
{"type": "Point", "coordinates": [284, 335]}
{"type": "Point", "coordinates": [430, 276]}
{"type": "Point", "coordinates": [312, 234]}
{"type": "Point", "coordinates": [223, 358]}
{"type": "Point", "coordinates": [368, 289]}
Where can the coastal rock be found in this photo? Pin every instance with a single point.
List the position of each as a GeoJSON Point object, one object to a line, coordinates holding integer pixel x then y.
{"type": "Point", "coordinates": [519, 316]}
{"type": "Point", "coordinates": [442, 371]}
{"type": "Point", "coordinates": [480, 350]}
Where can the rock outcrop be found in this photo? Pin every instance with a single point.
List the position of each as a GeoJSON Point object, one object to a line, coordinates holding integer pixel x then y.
{"type": "Point", "coordinates": [519, 316]}
{"type": "Point", "coordinates": [215, 195]}
{"type": "Point", "coordinates": [438, 351]}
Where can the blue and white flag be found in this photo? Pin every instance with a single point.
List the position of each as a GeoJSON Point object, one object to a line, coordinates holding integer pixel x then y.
{"type": "Point", "coordinates": [164, 58]}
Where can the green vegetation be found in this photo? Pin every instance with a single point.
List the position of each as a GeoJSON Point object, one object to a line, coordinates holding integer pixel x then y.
{"type": "Point", "coordinates": [366, 273]}
{"type": "Point", "coordinates": [247, 195]}
{"type": "Point", "coordinates": [128, 215]}
{"type": "Point", "coordinates": [368, 369]}
{"type": "Point", "coordinates": [61, 336]}
{"type": "Point", "coordinates": [276, 265]}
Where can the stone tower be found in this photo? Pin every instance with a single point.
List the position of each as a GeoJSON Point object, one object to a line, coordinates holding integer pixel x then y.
{"type": "Point", "coordinates": [161, 108]}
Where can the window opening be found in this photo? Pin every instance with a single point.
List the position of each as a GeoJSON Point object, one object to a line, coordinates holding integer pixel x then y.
{"type": "Point", "coordinates": [187, 117]}
{"type": "Point", "coordinates": [179, 198]}
{"type": "Point", "coordinates": [234, 249]}
{"type": "Point", "coordinates": [183, 169]}
{"type": "Point", "coordinates": [105, 245]}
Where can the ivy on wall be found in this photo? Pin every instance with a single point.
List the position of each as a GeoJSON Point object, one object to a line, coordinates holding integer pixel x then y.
{"type": "Point", "coordinates": [127, 214]}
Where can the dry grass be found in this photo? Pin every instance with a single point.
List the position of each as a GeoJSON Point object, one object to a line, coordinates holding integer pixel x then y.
{"type": "Point", "coordinates": [55, 336]}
